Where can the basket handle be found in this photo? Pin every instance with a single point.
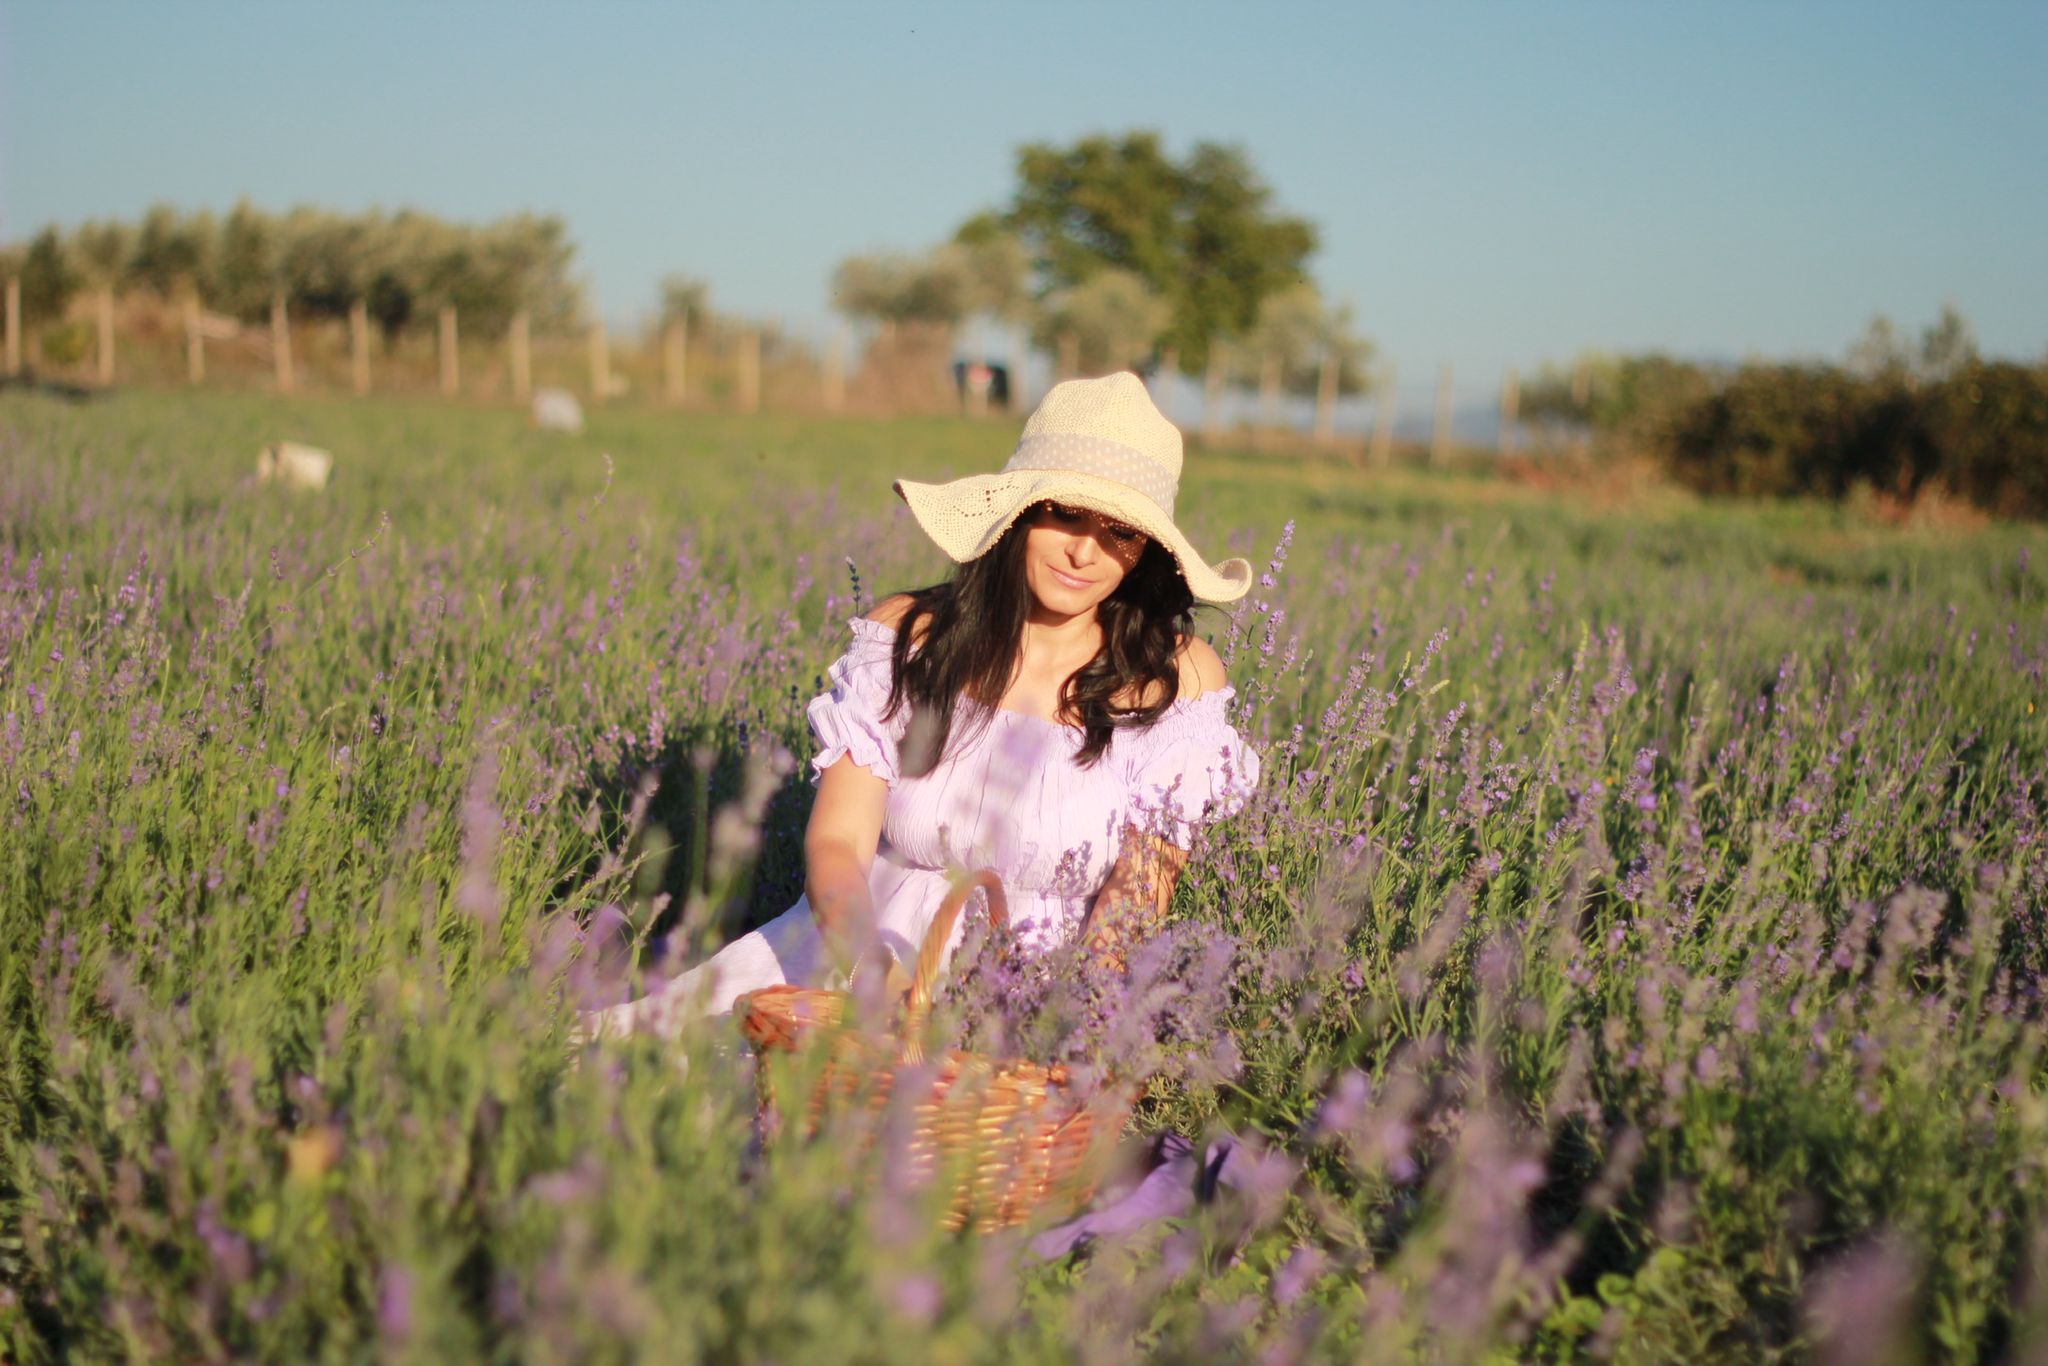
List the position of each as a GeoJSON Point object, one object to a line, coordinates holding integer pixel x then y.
{"type": "Point", "coordinates": [931, 955]}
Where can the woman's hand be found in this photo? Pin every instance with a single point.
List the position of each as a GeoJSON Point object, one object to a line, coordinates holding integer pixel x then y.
{"type": "Point", "coordinates": [1131, 907]}
{"type": "Point", "coordinates": [839, 850]}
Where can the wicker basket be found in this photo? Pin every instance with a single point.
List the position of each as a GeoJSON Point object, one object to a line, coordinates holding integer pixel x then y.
{"type": "Point", "coordinates": [1012, 1132]}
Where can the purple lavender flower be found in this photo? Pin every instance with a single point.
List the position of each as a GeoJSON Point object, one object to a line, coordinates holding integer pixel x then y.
{"type": "Point", "coordinates": [394, 1304]}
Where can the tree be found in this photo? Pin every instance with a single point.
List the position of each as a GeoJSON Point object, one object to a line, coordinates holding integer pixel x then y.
{"type": "Point", "coordinates": [393, 268]}
{"type": "Point", "coordinates": [684, 298]}
{"type": "Point", "coordinates": [1950, 345]}
{"type": "Point", "coordinates": [522, 262]}
{"type": "Point", "coordinates": [102, 252]}
{"type": "Point", "coordinates": [1297, 328]}
{"type": "Point", "coordinates": [1200, 234]}
{"type": "Point", "coordinates": [244, 269]}
{"type": "Point", "coordinates": [171, 253]}
{"type": "Point", "coordinates": [400, 266]}
{"type": "Point", "coordinates": [48, 278]}
{"type": "Point", "coordinates": [1885, 353]}
{"type": "Point", "coordinates": [889, 287]}
{"type": "Point", "coordinates": [1633, 397]}
{"type": "Point", "coordinates": [1113, 316]}
{"type": "Point", "coordinates": [324, 260]}
{"type": "Point", "coordinates": [1881, 352]}
{"type": "Point", "coordinates": [997, 269]}
{"type": "Point", "coordinates": [1238, 252]}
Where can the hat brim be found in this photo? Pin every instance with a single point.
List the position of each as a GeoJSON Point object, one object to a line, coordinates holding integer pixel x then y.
{"type": "Point", "coordinates": [966, 517]}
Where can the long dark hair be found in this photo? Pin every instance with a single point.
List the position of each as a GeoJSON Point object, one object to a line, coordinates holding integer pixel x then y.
{"type": "Point", "coordinates": [973, 635]}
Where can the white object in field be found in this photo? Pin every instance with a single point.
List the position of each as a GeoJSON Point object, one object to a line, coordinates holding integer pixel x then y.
{"type": "Point", "coordinates": [305, 467]}
{"type": "Point", "coordinates": [556, 410]}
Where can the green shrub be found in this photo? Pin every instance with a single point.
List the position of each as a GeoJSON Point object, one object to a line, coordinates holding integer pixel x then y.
{"type": "Point", "coordinates": [1784, 430]}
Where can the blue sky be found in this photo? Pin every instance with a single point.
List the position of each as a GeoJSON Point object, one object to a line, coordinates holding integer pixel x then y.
{"type": "Point", "coordinates": [1495, 184]}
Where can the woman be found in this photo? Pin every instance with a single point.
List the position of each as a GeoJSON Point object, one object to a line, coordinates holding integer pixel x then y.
{"type": "Point", "coordinates": [1045, 713]}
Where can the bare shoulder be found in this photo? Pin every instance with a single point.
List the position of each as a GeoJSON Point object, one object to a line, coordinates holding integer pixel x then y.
{"type": "Point", "coordinates": [891, 610]}
{"type": "Point", "coordinates": [1201, 671]}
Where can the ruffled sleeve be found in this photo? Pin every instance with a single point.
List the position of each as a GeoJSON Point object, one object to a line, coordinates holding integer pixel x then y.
{"type": "Point", "coordinates": [848, 718]}
{"type": "Point", "coordinates": [1191, 768]}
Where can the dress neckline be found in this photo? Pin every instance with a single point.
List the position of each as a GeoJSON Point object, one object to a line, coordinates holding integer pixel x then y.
{"type": "Point", "coordinates": [1178, 704]}
{"type": "Point", "coordinates": [885, 632]}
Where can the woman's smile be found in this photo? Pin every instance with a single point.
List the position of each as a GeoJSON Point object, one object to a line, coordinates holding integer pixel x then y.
{"type": "Point", "coordinates": [1077, 556]}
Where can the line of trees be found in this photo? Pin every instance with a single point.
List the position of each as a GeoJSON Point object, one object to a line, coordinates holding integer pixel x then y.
{"type": "Point", "coordinates": [403, 267]}
{"type": "Point", "coordinates": [1112, 253]}
{"type": "Point", "coordinates": [1109, 253]}
{"type": "Point", "coordinates": [1898, 416]}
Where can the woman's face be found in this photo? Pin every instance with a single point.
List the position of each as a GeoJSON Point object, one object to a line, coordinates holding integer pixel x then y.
{"type": "Point", "coordinates": [1074, 558]}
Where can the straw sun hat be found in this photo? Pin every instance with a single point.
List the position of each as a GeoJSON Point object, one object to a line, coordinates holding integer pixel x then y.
{"type": "Point", "coordinates": [1092, 443]}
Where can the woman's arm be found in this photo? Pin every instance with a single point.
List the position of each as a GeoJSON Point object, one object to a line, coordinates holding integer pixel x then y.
{"type": "Point", "coordinates": [1132, 904]}
{"type": "Point", "coordinates": [839, 849]}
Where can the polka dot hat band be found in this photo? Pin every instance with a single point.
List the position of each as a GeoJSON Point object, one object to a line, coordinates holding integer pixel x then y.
{"type": "Point", "coordinates": [1093, 443]}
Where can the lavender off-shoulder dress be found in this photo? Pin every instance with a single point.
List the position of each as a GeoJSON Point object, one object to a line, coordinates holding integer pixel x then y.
{"type": "Point", "coordinates": [1009, 798]}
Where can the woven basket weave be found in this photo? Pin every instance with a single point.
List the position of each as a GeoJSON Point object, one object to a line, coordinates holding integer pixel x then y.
{"type": "Point", "coordinates": [1012, 1133]}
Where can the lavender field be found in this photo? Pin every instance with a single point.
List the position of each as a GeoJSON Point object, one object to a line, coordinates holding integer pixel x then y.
{"type": "Point", "coordinates": [1633, 949]}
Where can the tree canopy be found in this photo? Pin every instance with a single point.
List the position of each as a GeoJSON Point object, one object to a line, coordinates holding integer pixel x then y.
{"type": "Point", "coordinates": [890, 287]}
{"type": "Point", "coordinates": [684, 298]}
{"type": "Point", "coordinates": [1201, 234]}
{"type": "Point", "coordinates": [48, 278]}
{"type": "Point", "coordinates": [1297, 327]}
{"type": "Point", "coordinates": [1113, 316]}
{"type": "Point", "coordinates": [400, 266]}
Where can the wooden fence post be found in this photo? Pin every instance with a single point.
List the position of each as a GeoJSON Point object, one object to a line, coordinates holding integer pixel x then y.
{"type": "Point", "coordinates": [1326, 400]}
{"type": "Point", "coordinates": [1269, 397]}
{"type": "Point", "coordinates": [1384, 409]}
{"type": "Point", "coordinates": [451, 363]}
{"type": "Point", "coordinates": [1510, 405]}
{"type": "Point", "coordinates": [600, 364]}
{"type": "Point", "coordinates": [835, 372]}
{"type": "Point", "coordinates": [281, 342]}
{"type": "Point", "coordinates": [1582, 394]}
{"type": "Point", "coordinates": [1169, 362]}
{"type": "Point", "coordinates": [14, 327]}
{"type": "Point", "coordinates": [675, 359]}
{"type": "Point", "coordinates": [1213, 379]}
{"type": "Point", "coordinates": [520, 338]}
{"type": "Point", "coordinates": [750, 371]}
{"type": "Point", "coordinates": [359, 346]}
{"type": "Point", "coordinates": [195, 344]}
{"type": "Point", "coordinates": [1440, 431]}
{"type": "Point", "coordinates": [106, 346]}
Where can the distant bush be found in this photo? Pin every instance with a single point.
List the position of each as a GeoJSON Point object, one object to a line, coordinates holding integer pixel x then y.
{"type": "Point", "coordinates": [1633, 398]}
{"type": "Point", "coordinates": [1987, 430]}
{"type": "Point", "coordinates": [1779, 430]}
{"type": "Point", "coordinates": [1901, 420]}
{"type": "Point", "coordinates": [1773, 430]}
